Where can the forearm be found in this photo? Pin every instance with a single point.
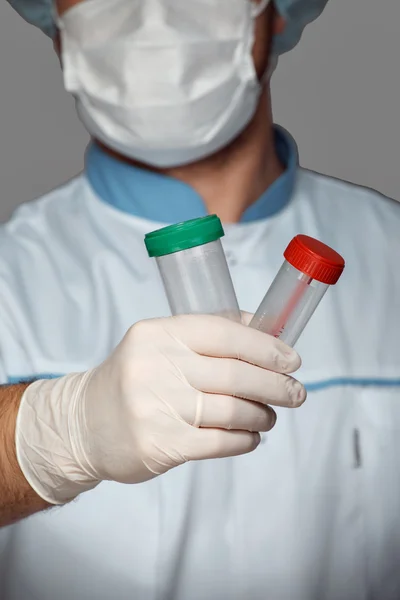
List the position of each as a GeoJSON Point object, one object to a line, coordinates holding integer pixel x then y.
{"type": "Point", "coordinates": [17, 498]}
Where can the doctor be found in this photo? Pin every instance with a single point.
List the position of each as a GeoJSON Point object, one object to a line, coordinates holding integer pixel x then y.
{"type": "Point", "coordinates": [176, 97]}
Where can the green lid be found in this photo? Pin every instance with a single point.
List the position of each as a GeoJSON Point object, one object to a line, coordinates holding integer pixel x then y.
{"type": "Point", "coordinates": [182, 236]}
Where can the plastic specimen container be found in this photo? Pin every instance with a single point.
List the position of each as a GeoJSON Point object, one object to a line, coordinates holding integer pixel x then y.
{"type": "Point", "coordinates": [193, 267]}
{"type": "Point", "coordinates": [308, 270]}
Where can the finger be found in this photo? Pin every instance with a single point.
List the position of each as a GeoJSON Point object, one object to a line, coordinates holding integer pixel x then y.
{"type": "Point", "coordinates": [235, 378]}
{"type": "Point", "coordinates": [219, 443]}
{"type": "Point", "coordinates": [210, 335]}
{"type": "Point", "coordinates": [227, 412]}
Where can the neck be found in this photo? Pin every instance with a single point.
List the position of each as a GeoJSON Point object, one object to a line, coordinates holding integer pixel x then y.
{"type": "Point", "coordinates": [231, 180]}
{"type": "Point", "coordinates": [235, 177]}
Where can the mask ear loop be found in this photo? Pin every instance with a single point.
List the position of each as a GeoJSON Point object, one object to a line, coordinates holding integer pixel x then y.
{"type": "Point", "coordinates": [258, 7]}
{"type": "Point", "coordinates": [56, 17]}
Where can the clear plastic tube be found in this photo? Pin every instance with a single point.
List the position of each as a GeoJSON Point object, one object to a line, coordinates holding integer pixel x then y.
{"type": "Point", "coordinates": [193, 267]}
{"type": "Point", "coordinates": [289, 304]}
{"type": "Point", "coordinates": [310, 267]}
{"type": "Point", "coordinates": [198, 281]}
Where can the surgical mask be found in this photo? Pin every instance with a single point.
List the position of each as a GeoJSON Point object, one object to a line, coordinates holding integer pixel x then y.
{"type": "Point", "coordinates": [165, 82]}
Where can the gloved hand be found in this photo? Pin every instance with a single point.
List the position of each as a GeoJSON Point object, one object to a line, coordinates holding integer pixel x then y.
{"type": "Point", "coordinates": [175, 389]}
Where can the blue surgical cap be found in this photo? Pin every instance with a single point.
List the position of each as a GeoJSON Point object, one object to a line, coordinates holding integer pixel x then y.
{"type": "Point", "coordinates": [37, 12]}
{"type": "Point", "coordinates": [297, 13]}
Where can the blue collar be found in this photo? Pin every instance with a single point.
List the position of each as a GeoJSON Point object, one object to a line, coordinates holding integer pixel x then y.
{"type": "Point", "coordinates": [160, 198]}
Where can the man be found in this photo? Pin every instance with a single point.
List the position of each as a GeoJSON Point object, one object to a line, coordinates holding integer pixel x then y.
{"type": "Point", "coordinates": [176, 96]}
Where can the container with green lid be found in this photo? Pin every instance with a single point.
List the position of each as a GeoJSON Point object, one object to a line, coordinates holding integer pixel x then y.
{"type": "Point", "coordinates": [193, 267]}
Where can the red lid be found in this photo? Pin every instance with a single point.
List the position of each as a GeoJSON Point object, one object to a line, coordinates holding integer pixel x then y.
{"type": "Point", "coordinates": [315, 259]}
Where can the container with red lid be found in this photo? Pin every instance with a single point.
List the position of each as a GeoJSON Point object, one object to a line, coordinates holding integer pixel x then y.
{"type": "Point", "coordinates": [309, 268]}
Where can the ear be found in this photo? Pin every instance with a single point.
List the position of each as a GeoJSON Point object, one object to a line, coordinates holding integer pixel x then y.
{"type": "Point", "coordinates": [278, 23]}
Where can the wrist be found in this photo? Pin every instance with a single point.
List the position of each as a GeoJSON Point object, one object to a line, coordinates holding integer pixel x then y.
{"type": "Point", "coordinates": [9, 461]}
{"type": "Point", "coordinates": [48, 439]}
{"type": "Point", "coordinates": [17, 498]}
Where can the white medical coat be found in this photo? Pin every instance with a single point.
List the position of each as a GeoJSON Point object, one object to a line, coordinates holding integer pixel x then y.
{"type": "Point", "coordinates": [314, 512]}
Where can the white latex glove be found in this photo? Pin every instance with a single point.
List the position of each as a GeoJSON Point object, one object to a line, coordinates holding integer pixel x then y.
{"type": "Point", "coordinates": [176, 389]}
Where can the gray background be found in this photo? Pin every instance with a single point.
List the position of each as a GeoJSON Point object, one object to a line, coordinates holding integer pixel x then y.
{"type": "Point", "coordinates": [338, 94]}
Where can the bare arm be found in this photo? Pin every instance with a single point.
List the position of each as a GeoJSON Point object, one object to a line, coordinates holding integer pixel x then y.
{"type": "Point", "coordinates": [17, 498]}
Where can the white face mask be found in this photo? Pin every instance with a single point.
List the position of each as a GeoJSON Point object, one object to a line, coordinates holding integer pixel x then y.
{"type": "Point", "coordinates": [165, 82]}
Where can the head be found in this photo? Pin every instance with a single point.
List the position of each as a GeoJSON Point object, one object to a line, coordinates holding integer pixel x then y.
{"type": "Point", "coordinates": [197, 88]}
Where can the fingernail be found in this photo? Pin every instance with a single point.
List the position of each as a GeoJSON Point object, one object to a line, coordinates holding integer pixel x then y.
{"type": "Point", "coordinates": [298, 394]}
{"type": "Point", "coordinates": [290, 360]}
{"type": "Point", "coordinates": [290, 353]}
{"type": "Point", "coordinates": [257, 440]}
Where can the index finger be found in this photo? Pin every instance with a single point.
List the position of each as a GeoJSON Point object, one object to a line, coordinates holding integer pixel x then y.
{"type": "Point", "coordinates": [219, 337]}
